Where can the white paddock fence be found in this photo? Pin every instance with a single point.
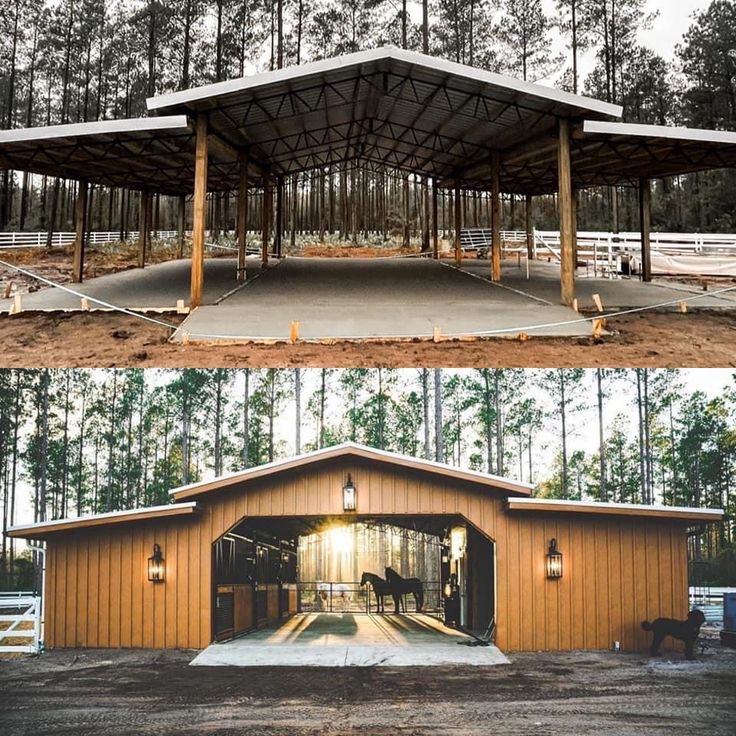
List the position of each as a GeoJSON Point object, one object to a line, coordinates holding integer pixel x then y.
{"type": "Point", "coordinates": [613, 254]}
{"type": "Point", "coordinates": [17, 609]}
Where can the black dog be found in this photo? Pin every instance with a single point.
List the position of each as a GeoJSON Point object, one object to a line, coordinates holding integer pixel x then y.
{"type": "Point", "coordinates": [686, 631]}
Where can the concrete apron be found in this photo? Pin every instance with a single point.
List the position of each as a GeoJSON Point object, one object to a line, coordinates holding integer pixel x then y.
{"type": "Point", "coordinates": [348, 640]}
{"type": "Point", "coordinates": [374, 299]}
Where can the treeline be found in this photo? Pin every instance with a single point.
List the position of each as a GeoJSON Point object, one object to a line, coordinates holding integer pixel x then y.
{"type": "Point", "coordinates": [78, 441]}
{"type": "Point", "coordinates": [80, 60]}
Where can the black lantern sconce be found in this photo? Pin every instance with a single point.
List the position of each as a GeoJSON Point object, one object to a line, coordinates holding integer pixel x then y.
{"type": "Point", "coordinates": [156, 565]}
{"type": "Point", "coordinates": [554, 561]}
{"type": "Point", "coordinates": [349, 495]}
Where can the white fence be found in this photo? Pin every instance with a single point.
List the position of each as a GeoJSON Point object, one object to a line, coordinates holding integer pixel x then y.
{"type": "Point", "coordinates": [17, 609]}
{"type": "Point", "coordinates": [40, 239]}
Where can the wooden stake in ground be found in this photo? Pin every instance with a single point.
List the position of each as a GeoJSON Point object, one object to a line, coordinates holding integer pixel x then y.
{"type": "Point", "coordinates": [80, 227]}
{"type": "Point", "coordinates": [567, 247]}
{"type": "Point", "coordinates": [496, 217]}
{"type": "Point", "coordinates": [199, 211]}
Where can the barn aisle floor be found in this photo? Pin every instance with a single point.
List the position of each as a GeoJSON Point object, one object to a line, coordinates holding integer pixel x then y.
{"type": "Point", "coordinates": [349, 640]}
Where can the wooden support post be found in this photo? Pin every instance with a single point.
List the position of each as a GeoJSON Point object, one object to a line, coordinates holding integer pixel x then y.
{"type": "Point", "coordinates": [144, 225]}
{"type": "Point", "coordinates": [199, 211]}
{"type": "Point", "coordinates": [242, 223]}
{"type": "Point", "coordinates": [458, 226]}
{"type": "Point", "coordinates": [645, 218]}
{"type": "Point", "coordinates": [266, 215]}
{"type": "Point", "coordinates": [279, 234]}
{"type": "Point", "coordinates": [529, 213]}
{"type": "Point", "coordinates": [567, 255]}
{"type": "Point", "coordinates": [435, 230]}
{"type": "Point", "coordinates": [574, 203]}
{"type": "Point", "coordinates": [80, 227]}
{"type": "Point", "coordinates": [181, 226]}
{"type": "Point", "coordinates": [495, 217]}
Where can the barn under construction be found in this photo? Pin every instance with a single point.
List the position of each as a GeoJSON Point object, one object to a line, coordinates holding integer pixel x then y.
{"type": "Point", "coordinates": [231, 555]}
{"type": "Point", "coordinates": [461, 129]}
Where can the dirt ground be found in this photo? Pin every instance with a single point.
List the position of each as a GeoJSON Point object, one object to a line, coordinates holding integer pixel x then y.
{"type": "Point", "coordinates": [149, 692]}
{"type": "Point", "coordinates": [100, 339]}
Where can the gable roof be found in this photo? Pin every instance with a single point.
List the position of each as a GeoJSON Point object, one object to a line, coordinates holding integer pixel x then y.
{"type": "Point", "coordinates": [354, 450]}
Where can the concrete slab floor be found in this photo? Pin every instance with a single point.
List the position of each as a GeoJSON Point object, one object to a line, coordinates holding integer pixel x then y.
{"type": "Point", "coordinates": [351, 640]}
{"type": "Point", "coordinates": [335, 298]}
{"type": "Point", "coordinates": [154, 288]}
{"type": "Point", "coordinates": [616, 294]}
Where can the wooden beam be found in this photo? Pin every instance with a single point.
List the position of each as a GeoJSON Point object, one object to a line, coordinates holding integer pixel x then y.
{"type": "Point", "coordinates": [80, 227]}
{"type": "Point", "coordinates": [495, 217]}
{"type": "Point", "coordinates": [574, 204]}
{"type": "Point", "coordinates": [529, 213]}
{"type": "Point", "coordinates": [266, 218]}
{"type": "Point", "coordinates": [242, 223]}
{"type": "Point", "coordinates": [458, 226]}
{"type": "Point", "coordinates": [645, 219]}
{"type": "Point", "coordinates": [435, 230]}
{"type": "Point", "coordinates": [567, 255]}
{"type": "Point", "coordinates": [181, 227]}
{"type": "Point", "coordinates": [199, 207]}
{"type": "Point", "coordinates": [279, 234]}
{"type": "Point", "coordinates": [144, 226]}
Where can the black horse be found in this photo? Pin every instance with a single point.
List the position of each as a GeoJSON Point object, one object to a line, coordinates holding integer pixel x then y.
{"type": "Point", "coordinates": [400, 586]}
{"type": "Point", "coordinates": [380, 588]}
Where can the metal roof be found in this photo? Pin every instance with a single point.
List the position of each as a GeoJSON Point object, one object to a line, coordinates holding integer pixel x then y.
{"type": "Point", "coordinates": [43, 528]}
{"type": "Point", "coordinates": [351, 449]}
{"type": "Point", "coordinates": [383, 107]}
{"type": "Point", "coordinates": [682, 513]}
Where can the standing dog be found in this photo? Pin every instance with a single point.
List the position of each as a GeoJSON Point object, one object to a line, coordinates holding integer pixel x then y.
{"type": "Point", "coordinates": [686, 631]}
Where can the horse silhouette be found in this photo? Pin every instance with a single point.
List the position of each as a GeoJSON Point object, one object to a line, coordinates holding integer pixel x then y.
{"type": "Point", "coordinates": [400, 586]}
{"type": "Point", "coordinates": [380, 588]}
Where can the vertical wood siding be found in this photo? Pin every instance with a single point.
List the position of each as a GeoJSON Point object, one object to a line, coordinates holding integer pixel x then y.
{"type": "Point", "coordinates": [618, 571]}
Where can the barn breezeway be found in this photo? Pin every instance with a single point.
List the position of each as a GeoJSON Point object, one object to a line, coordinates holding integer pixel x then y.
{"type": "Point", "coordinates": [352, 640]}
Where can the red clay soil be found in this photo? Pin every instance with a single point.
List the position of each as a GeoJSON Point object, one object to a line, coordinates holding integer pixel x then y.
{"type": "Point", "coordinates": [98, 339]}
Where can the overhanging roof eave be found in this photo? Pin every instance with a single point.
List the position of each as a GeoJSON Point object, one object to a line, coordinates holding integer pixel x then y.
{"type": "Point", "coordinates": [192, 98]}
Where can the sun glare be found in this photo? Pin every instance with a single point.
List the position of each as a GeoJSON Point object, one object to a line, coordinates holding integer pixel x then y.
{"type": "Point", "coordinates": [341, 539]}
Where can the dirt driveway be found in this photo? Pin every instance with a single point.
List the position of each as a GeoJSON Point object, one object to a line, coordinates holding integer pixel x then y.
{"type": "Point", "coordinates": [146, 692]}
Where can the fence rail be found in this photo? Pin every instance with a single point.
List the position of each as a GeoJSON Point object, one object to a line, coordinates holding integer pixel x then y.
{"type": "Point", "coordinates": [350, 597]}
{"type": "Point", "coordinates": [17, 609]}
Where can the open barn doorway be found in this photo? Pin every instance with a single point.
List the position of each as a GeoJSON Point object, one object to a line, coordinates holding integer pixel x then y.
{"type": "Point", "coordinates": [267, 570]}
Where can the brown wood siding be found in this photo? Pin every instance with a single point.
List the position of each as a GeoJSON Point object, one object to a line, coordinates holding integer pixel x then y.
{"type": "Point", "coordinates": [618, 571]}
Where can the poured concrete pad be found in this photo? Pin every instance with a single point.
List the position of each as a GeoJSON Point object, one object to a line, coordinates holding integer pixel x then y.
{"type": "Point", "coordinates": [616, 294]}
{"type": "Point", "coordinates": [153, 288]}
{"type": "Point", "coordinates": [374, 298]}
{"type": "Point", "coordinates": [351, 640]}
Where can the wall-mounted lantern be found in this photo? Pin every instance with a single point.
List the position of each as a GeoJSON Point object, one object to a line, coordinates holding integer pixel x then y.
{"type": "Point", "coordinates": [349, 495]}
{"type": "Point", "coordinates": [554, 561]}
{"type": "Point", "coordinates": [156, 565]}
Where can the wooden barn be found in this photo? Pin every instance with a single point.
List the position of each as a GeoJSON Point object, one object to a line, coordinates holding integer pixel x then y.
{"type": "Point", "coordinates": [229, 555]}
